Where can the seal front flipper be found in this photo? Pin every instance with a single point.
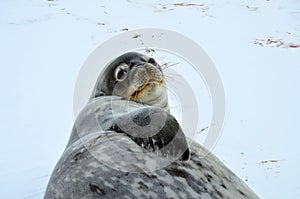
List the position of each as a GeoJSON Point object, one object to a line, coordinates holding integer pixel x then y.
{"type": "Point", "coordinates": [156, 131]}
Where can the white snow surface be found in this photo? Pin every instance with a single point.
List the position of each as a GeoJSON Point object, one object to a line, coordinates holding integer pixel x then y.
{"type": "Point", "coordinates": [44, 43]}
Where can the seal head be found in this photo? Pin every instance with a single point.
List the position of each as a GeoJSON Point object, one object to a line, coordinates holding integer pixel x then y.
{"type": "Point", "coordinates": [135, 77]}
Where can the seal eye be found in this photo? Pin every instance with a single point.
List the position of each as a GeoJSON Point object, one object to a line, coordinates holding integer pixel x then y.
{"type": "Point", "coordinates": [121, 72]}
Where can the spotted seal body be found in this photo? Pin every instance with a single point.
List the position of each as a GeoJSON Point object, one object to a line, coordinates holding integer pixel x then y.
{"type": "Point", "coordinates": [111, 155]}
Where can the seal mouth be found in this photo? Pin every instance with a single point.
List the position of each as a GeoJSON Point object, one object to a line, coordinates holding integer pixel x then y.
{"type": "Point", "coordinates": [136, 93]}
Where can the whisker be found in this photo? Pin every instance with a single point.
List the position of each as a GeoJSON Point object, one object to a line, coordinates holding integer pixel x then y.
{"type": "Point", "coordinates": [34, 194]}
{"type": "Point", "coordinates": [174, 106]}
{"type": "Point", "coordinates": [158, 59]}
{"type": "Point", "coordinates": [168, 66]}
{"type": "Point", "coordinates": [172, 74]}
{"type": "Point", "coordinates": [166, 63]}
{"type": "Point", "coordinates": [171, 80]}
{"type": "Point", "coordinates": [164, 66]}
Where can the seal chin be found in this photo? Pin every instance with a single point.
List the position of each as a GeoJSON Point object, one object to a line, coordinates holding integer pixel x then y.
{"type": "Point", "coordinates": [153, 93]}
{"type": "Point", "coordinates": [136, 93]}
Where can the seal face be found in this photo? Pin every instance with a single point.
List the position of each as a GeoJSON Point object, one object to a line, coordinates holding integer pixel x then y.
{"type": "Point", "coordinates": [136, 77]}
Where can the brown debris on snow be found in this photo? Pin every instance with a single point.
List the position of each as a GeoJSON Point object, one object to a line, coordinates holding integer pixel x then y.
{"type": "Point", "coordinates": [275, 43]}
{"type": "Point", "coordinates": [269, 161]}
{"type": "Point", "coordinates": [170, 7]}
{"type": "Point", "coordinates": [136, 36]}
{"type": "Point", "coordinates": [252, 8]}
{"type": "Point", "coordinates": [187, 4]}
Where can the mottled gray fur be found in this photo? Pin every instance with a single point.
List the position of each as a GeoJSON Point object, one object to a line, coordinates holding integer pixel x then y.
{"type": "Point", "coordinates": [80, 174]}
{"type": "Point", "coordinates": [123, 149]}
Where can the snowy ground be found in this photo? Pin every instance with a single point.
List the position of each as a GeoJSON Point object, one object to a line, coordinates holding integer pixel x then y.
{"type": "Point", "coordinates": [254, 45]}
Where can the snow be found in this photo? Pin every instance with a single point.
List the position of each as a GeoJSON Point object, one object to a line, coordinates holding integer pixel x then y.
{"type": "Point", "coordinates": [44, 43]}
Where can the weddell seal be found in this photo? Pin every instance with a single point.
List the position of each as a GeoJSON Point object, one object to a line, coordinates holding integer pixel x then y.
{"type": "Point", "coordinates": [126, 144]}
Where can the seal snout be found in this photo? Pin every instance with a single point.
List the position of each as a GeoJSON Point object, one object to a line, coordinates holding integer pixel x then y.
{"type": "Point", "coordinates": [148, 83]}
{"type": "Point", "coordinates": [146, 77]}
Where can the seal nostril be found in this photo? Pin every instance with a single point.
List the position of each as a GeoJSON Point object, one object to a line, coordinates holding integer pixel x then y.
{"type": "Point", "coordinates": [135, 93]}
{"type": "Point", "coordinates": [152, 61]}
